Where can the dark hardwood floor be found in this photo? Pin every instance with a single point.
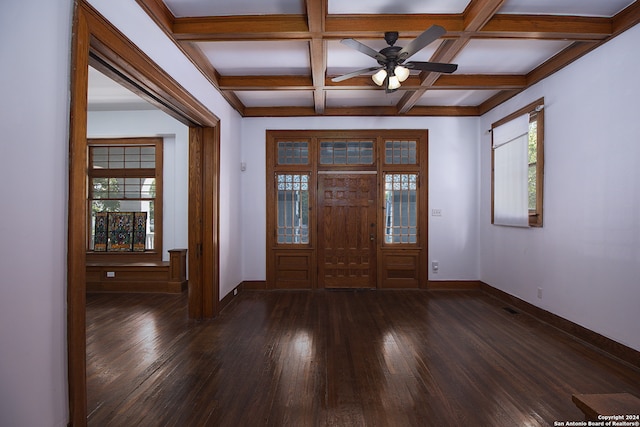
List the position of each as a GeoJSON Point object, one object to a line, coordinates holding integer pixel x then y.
{"type": "Point", "coordinates": [336, 358]}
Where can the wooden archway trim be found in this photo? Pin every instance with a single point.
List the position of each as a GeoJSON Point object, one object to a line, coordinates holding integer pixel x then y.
{"type": "Point", "coordinates": [204, 190]}
{"type": "Point", "coordinates": [95, 40]}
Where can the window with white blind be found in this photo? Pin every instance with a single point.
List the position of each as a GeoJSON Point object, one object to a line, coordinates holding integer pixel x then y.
{"type": "Point", "coordinates": [517, 168]}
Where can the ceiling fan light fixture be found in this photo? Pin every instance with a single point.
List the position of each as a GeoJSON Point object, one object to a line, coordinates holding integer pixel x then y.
{"type": "Point", "coordinates": [379, 77]}
{"type": "Point", "coordinates": [394, 83]}
{"type": "Point", "coordinates": [402, 73]}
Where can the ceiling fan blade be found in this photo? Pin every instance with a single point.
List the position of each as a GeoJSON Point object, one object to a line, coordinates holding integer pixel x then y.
{"type": "Point", "coordinates": [432, 66]}
{"type": "Point", "coordinates": [353, 74]}
{"type": "Point", "coordinates": [427, 37]}
{"type": "Point", "coordinates": [363, 48]}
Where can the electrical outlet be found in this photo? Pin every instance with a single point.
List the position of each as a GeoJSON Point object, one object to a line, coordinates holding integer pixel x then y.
{"type": "Point", "coordinates": [435, 266]}
{"type": "Point", "coordinates": [540, 293]}
{"type": "Point", "coordinates": [235, 291]}
{"type": "Point", "coordinates": [111, 274]}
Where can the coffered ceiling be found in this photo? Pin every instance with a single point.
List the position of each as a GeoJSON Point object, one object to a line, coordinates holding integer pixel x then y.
{"type": "Point", "coordinates": [277, 57]}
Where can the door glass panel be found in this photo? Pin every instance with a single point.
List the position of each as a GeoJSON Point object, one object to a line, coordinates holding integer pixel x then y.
{"type": "Point", "coordinates": [401, 208]}
{"type": "Point", "coordinates": [293, 208]}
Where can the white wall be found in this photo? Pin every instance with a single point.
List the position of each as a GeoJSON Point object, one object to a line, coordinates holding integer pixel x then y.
{"type": "Point", "coordinates": [114, 124]}
{"type": "Point", "coordinates": [586, 258]}
{"type": "Point", "coordinates": [135, 24]}
{"type": "Point", "coordinates": [34, 82]}
{"type": "Point", "coordinates": [453, 187]}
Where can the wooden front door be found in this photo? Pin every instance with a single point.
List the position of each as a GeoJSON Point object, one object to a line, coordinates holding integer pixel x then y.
{"type": "Point", "coordinates": [347, 230]}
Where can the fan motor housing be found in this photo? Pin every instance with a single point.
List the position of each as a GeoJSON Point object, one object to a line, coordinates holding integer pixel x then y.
{"type": "Point", "coordinates": [391, 54]}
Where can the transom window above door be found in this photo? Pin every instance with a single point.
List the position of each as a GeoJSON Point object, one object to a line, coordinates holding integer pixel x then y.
{"type": "Point", "coordinates": [346, 152]}
{"type": "Point", "coordinates": [293, 152]}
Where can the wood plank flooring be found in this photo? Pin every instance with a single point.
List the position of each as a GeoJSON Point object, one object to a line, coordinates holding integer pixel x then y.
{"type": "Point", "coordinates": [336, 358]}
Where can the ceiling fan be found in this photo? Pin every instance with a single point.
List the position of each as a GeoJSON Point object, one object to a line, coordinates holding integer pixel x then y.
{"type": "Point", "coordinates": [393, 70]}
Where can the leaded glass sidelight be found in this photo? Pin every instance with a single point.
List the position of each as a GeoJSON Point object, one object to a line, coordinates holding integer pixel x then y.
{"type": "Point", "coordinates": [293, 208]}
{"type": "Point", "coordinates": [401, 208]}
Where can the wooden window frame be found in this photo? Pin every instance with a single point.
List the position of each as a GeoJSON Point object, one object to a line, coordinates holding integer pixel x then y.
{"type": "Point", "coordinates": [154, 254]}
{"type": "Point", "coordinates": [536, 113]}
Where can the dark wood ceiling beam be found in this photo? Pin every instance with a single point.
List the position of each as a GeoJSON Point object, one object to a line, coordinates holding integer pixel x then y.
{"type": "Point", "coordinates": [316, 13]}
{"type": "Point", "coordinates": [480, 82]}
{"type": "Point", "coordinates": [559, 61]}
{"type": "Point", "coordinates": [318, 57]}
{"type": "Point", "coordinates": [479, 12]}
{"type": "Point", "coordinates": [450, 111]}
{"type": "Point", "coordinates": [200, 60]}
{"type": "Point", "coordinates": [160, 13]}
{"type": "Point", "coordinates": [280, 112]}
{"type": "Point", "coordinates": [497, 26]}
{"type": "Point", "coordinates": [281, 27]}
{"type": "Point", "coordinates": [376, 25]}
{"type": "Point", "coordinates": [548, 27]}
{"type": "Point", "coordinates": [364, 82]}
{"type": "Point", "coordinates": [246, 27]}
{"type": "Point", "coordinates": [360, 111]}
{"type": "Point", "coordinates": [265, 83]}
{"type": "Point", "coordinates": [496, 100]}
{"type": "Point", "coordinates": [444, 81]}
{"type": "Point", "coordinates": [626, 18]}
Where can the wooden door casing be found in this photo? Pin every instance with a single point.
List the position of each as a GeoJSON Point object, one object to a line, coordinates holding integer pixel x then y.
{"type": "Point", "coordinates": [391, 265]}
{"type": "Point", "coordinates": [347, 230]}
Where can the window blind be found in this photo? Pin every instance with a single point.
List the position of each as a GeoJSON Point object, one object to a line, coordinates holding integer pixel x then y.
{"type": "Point", "coordinates": [510, 192]}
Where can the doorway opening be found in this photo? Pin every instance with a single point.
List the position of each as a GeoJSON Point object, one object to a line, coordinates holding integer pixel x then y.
{"type": "Point", "coordinates": [98, 43]}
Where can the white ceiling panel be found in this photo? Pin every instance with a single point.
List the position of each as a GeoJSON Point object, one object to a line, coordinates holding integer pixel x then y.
{"type": "Point", "coordinates": [458, 98]}
{"type": "Point", "coordinates": [396, 6]}
{"type": "Point", "coordinates": [342, 59]}
{"type": "Point", "coordinates": [606, 8]}
{"type": "Point", "coordinates": [107, 95]}
{"type": "Point", "coordinates": [367, 98]}
{"type": "Point", "coordinates": [183, 8]}
{"type": "Point", "coordinates": [506, 56]}
{"type": "Point", "coordinates": [281, 98]}
{"type": "Point", "coordinates": [250, 58]}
